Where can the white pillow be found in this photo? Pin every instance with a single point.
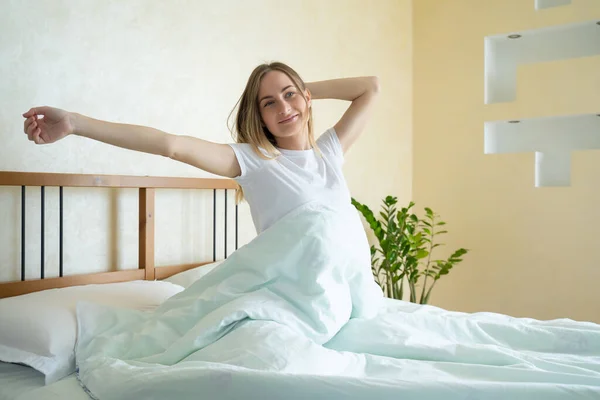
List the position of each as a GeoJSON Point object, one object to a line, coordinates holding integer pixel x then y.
{"type": "Point", "coordinates": [186, 278]}
{"type": "Point", "coordinates": [39, 329]}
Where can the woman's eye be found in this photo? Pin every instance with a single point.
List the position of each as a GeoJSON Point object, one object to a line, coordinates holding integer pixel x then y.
{"type": "Point", "coordinates": [289, 94]}
{"type": "Point", "coordinates": [268, 103]}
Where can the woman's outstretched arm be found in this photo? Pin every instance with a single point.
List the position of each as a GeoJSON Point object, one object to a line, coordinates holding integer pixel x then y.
{"type": "Point", "coordinates": [45, 125]}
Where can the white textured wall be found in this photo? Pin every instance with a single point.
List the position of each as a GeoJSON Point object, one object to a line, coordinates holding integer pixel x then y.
{"type": "Point", "coordinates": [179, 66]}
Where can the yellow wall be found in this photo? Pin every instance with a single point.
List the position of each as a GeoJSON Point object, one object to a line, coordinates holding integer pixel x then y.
{"type": "Point", "coordinates": [180, 66]}
{"type": "Point", "coordinates": [535, 252]}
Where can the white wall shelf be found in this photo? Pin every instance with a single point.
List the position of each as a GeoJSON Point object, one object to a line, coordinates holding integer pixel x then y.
{"type": "Point", "coordinates": [541, 4]}
{"type": "Point", "coordinates": [551, 138]}
{"type": "Point", "coordinates": [503, 54]}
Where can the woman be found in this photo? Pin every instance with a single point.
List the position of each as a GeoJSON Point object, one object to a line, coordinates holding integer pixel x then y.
{"type": "Point", "coordinates": [275, 159]}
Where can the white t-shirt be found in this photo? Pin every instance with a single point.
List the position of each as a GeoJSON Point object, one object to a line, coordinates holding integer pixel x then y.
{"type": "Point", "coordinates": [275, 187]}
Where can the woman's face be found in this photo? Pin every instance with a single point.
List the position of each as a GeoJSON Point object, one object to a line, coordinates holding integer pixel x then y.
{"type": "Point", "coordinates": [282, 108]}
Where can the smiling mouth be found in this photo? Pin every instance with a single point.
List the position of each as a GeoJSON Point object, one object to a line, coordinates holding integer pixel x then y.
{"type": "Point", "coordinates": [290, 119]}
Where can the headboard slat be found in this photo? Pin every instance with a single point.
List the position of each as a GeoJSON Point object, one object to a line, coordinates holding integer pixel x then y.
{"type": "Point", "coordinates": [9, 178]}
{"type": "Point", "coordinates": [146, 236]}
{"type": "Point", "coordinates": [9, 289]}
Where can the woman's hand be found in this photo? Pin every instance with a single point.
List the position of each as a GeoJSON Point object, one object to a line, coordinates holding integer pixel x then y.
{"type": "Point", "coordinates": [53, 125]}
{"type": "Point", "coordinates": [361, 91]}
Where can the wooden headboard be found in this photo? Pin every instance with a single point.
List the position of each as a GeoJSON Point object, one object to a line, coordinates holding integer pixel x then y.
{"type": "Point", "coordinates": [146, 194]}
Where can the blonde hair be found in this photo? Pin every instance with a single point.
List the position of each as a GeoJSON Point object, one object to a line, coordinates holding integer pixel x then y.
{"type": "Point", "coordinates": [249, 127]}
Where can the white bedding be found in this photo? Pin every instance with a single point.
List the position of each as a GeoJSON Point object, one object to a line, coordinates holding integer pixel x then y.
{"type": "Point", "coordinates": [66, 389]}
{"type": "Point", "coordinates": [296, 315]}
{"type": "Point", "coordinates": [274, 322]}
{"type": "Point", "coordinates": [24, 383]}
{"type": "Point", "coordinates": [20, 382]}
{"type": "Point", "coordinates": [16, 379]}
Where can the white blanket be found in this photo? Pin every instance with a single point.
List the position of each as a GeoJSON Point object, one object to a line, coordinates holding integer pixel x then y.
{"type": "Point", "coordinates": [296, 314]}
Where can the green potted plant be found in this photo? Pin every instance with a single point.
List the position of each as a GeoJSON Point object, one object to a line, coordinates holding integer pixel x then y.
{"type": "Point", "coordinates": [404, 251]}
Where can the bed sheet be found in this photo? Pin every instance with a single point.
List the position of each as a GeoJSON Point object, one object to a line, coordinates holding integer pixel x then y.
{"type": "Point", "coordinates": [19, 382]}
{"type": "Point", "coordinates": [16, 379]}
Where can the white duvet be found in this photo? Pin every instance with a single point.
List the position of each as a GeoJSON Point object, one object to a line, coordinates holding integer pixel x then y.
{"type": "Point", "coordinates": [296, 314]}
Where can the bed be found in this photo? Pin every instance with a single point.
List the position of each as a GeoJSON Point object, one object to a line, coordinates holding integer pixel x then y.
{"type": "Point", "coordinates": [18, 380]}
{"type": "Point", "coordinates": [294, 314]}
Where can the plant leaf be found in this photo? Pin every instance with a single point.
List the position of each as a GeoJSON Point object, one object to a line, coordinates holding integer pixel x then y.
{"type": "Point", "coordinates": [421, 253]}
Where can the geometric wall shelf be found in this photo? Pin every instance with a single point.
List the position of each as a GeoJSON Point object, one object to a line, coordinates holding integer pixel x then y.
{"type": "Point", "coordinates": [540, 4]}
{"type": "Point", "coordinates": [551, 138]}
{"type": "Point", "coordinates": [503, 53]}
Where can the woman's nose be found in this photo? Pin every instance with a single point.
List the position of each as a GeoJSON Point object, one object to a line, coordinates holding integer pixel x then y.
{"type": "Point", "coordinates": [283, 107]}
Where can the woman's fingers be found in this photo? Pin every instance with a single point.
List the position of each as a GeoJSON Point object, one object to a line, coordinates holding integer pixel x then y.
{"type": "Point", "coordinates": [28, 122]}
{"type": "Point", "coordinates": [30, 129]}
{"type": "Point", "coordinates": [33, 112]}
{"type": "Point", "coordinates": [29, 132]}
{"type": "Point", "coordinates": [36, 137]}
{"type": "Point", "coordinates": [36, 134]}
{"type": "Point", "coordinates": [31, 125]}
